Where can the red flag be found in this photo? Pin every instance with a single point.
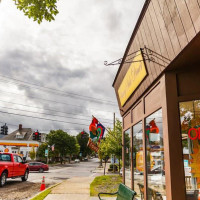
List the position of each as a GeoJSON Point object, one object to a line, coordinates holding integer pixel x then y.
{"type": "Point", "coordinates": [93, 127]}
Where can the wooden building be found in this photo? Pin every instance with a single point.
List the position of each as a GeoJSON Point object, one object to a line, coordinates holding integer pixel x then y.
{"type": "Point", "coordinates": [158, 91]}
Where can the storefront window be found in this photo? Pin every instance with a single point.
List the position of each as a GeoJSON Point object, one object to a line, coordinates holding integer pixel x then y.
{"type": "Point", "coordinates": [190, 132]}
{"type": "Point", "coordinates": [127, 140]}
{"type": "Point", "coordinates": [155, 157]}
{"type": "Point", "coordinates": [138, 166]}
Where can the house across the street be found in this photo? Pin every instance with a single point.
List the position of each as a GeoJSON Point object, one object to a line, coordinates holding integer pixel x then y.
{"type": "Point", "coordinates": [20, 141]}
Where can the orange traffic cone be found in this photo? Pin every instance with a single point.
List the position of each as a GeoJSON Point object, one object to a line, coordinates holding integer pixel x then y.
{"type": "Point", "coordinates": [42, 187]}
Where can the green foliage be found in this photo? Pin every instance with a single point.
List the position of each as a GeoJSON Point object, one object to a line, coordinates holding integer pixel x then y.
{"type": "Point", "coordinates": [59, 139]}
{"type": "Point", "coordinates": [32, 153]}
{"type": "Point", "coordinates": [107, 184]}
{"type": "Point", "coordinates": [73, 148]}
{"type": "Point", "coordinates": [112, 144]}
{"type": "Point", "coordinates": [38, 9]}
{"type": "Point", "coordinates": [104, 150]}
{"type": "Point", "coordinates": [113, 141]}
{"type": "Point", "coordinates": [64, 144]}
{"type": "Point", "coordinates": [41, 150]}
{"type": "Point", "coordinates": [84, 149]}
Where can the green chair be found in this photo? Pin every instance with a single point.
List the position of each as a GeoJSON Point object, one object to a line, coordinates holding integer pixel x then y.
{"type": "Point", "coordinates": [123, 193]}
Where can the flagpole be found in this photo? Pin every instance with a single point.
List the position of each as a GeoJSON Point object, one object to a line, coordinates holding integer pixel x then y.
{"type": "Point", "coordinates": [105, 128]}
{"type": "Point", "coordinates": [99, 122]}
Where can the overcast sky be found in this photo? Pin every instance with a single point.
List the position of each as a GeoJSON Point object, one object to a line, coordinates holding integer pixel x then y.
{"type": "Point", "coordinates": [66, 55]}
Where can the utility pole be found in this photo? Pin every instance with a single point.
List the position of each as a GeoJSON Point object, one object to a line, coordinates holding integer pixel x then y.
{"type": "Point", "coordinates": [114, 131]}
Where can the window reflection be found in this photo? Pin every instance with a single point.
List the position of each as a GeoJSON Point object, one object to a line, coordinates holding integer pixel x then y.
{"type": "Point", "coordinates": [155, 157]}
{"type": "Point", "coordinates": [127, 140]}
{"type": "Point", "coordinates": [190, 132]}
{"type": "Point", "coordinates": [138, 166]}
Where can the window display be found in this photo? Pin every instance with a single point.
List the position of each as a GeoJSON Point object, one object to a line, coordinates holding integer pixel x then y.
{"type": "Point", "coordinates": [155, 157]}
{"type": "Point", "coordinates": [190, 132]}
{"type": "Point", "coordinates": [138, 167]}
{"type": "Point", "coordinates": [127, 140]}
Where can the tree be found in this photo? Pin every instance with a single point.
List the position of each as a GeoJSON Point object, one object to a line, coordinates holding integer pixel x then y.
{"type": "Point", "coordinates": [112, 144]}
{"type": "Point", "coordinates": [59, 139]}
{"type": "Point", "coordinates": [83, 141]}
{"type": "Point", "coordinates": [32, 154]}
{"type": "Point", "coordinates": [73, 147]}
{"type": "Point", "coordinates": [103, 152]}
{"type": "Point", "coordinates": [114, 139]}
{"type": "Point", "coordinates": [38, 9]}
{"type": "Point", "coordinates": [41, 151]}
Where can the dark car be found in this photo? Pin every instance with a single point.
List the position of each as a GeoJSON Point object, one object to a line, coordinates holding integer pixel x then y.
{"type": "Point", "coordinates": [38, 166]}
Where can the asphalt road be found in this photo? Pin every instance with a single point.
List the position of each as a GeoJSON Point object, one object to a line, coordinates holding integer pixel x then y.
{"type": "Point", "coordinates": [15, 189]}
{"type": "Point", "coordinates": [62, 172]}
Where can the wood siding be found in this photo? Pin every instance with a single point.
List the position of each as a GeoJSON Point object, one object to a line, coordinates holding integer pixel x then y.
{"type": "Point", "coordinates": [166, 27]}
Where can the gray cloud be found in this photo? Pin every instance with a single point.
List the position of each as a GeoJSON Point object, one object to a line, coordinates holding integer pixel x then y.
{"type": "Point", "coordinates": [67, 55]}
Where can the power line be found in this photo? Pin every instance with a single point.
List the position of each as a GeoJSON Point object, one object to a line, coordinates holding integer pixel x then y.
{"type": "Point", "coordinates": [49, 109]}
{"type": "Point", "coordinates": [57, 93]}
{"type": "Point", "coordinates": [47, 114]}
{"type": "Point", "coordinates": [43, 130]}
{"type": "Point", "coordinates": [48, 100]}
{"type": "Point", "coordinates": [53, 89]}
{"type": "Point", "coordinates": [54, 120]}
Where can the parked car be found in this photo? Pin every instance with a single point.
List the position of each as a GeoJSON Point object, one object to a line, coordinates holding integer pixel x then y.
{"type": "Point", "coordinates": [12, 166]}
{"type": "Point", "coordinates": [38, 166]}
{"type": "Point", "coordinates": [77, 161]}
{"type": "Point", "coordinates": [157, 170]}
{"type": "Point", "coordinates": [85, 159]}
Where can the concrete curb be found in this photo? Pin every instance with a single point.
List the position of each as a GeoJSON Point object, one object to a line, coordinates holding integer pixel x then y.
{"type": "Point", "coordinates": [45, 190]}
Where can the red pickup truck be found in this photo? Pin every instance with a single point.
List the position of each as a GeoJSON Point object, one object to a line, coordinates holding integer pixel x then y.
{"type": "Point", "coordinates": [12, 166]}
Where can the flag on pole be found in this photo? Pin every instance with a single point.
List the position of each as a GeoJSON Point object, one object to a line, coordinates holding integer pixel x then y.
{"type": "Point", "coordinates": [100, 130]}
{"type": "Point", "coordinates": [96, 134]}
{"type": "Point", "coordinates": [93, 128]}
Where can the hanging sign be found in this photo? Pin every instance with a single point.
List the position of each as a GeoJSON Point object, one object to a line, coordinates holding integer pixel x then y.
{"type": "Point", "coordinates": [134, 76]}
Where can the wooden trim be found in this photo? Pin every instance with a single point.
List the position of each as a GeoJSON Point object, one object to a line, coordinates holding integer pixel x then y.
{"type": "Point", "coordinates": [123, 157]}
{"type": "Point", "coordinates": [132, 168]}
{"type": "Point", "coordinates": [188, 98]}
{"type": "Point", "coordinates": [144, 159]}
{"type": "Point", "coordinates": [174, 175]}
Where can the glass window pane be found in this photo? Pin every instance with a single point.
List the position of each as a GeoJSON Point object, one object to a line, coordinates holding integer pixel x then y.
{"type": "Point", "coordinates": [15, 158]}
{"type": "Point", "coordinates": [190, 132]}
{"type": "Point", "coordinates": [127, 152]}
{"type": "Point", "coordinates": [5, 157]}
{"type": "Point", "coordinates": [138, 166]}
{"type": "Point", "coordinates": [20, 159]}
{"type": "Point", "coordinates": [155, 157]}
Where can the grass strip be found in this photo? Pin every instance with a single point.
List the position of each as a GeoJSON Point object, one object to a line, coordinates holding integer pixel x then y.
{"type": "Point", "coordinates": [42, 195]}
{"type": "Point", "coordinates": [107, 184]}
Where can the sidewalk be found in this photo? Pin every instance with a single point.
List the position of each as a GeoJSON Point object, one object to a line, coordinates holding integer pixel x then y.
{"type": "Point", "coordinates": [76, 188]}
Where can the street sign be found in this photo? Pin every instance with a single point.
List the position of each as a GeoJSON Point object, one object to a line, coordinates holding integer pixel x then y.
{"type": "Point", "coordinates": [46, 152]}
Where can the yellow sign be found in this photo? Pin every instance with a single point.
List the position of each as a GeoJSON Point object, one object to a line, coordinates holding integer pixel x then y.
{"type": "Point", "coordinates": [134, 76]}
